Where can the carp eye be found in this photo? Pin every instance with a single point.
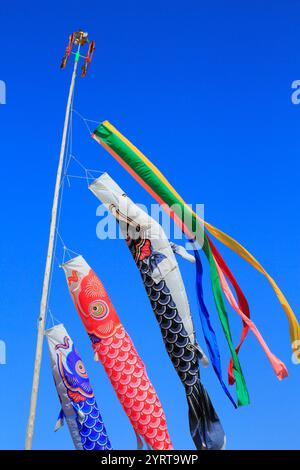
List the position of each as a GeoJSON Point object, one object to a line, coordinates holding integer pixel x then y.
{"type": "Point", "coordinates": [98, 309]}
{"type": "Point", "coordinates": [80, 369]}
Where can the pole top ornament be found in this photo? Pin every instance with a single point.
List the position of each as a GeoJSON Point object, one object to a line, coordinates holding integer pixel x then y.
{"type": "Point", "coordinates": [79, 38]}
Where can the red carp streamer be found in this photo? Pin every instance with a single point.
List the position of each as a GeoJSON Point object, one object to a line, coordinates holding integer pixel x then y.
{"type": "Point", "coordinates": [115, 349]}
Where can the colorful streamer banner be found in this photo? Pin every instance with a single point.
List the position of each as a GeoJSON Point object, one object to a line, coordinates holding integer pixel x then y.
{"type": "Point", "coordinates": [157, 185]}
{"type": "Point", "coordinates": [130, 158]}
{"type": "Point", "coordinates": [154, 181]}
{"type": "Point", "coordinates": [208, 330]}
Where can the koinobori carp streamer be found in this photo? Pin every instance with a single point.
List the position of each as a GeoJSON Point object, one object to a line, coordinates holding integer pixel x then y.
{"type": "Point", "coordinates": [155, 259]}
{"type": "Point", "coordinates": [134, 162]}
{"type": "Point", "coordinates": [78, 403]}
{"type": "Point", "coordinates": [157, 185]}
{"type": "Point", "coordinates": [114, 348]}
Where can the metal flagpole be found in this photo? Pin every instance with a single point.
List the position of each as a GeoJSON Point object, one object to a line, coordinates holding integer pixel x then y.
{"type": "Point", "coordinates": [79, 38]}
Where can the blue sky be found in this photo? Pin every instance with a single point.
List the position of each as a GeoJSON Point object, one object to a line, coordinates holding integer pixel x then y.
{"type": "Point", "coordinates": [205, 91]}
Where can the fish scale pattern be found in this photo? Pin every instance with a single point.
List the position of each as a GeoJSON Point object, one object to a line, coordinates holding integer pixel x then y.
{"type": "Point", "coordinates": [115, 350]}
{"type": "Point", "coordinates": [206, 430]}
{"type": "Point", "coordinates": [128, 376]}
{"type": "Point", "coordinates": [176, 339]}
{"type": "Point", "coordinates": [92, 430]}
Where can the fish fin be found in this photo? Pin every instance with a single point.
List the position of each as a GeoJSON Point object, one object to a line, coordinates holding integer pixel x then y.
{"type": "Point", "coordinates": [201, 355]}
{"type": "Point", "coordinates": [60, 421]}
{"type": "Point", "coordinates": [96, 358]}
{"type": "Point", "coordinates": [139, 442]}
{"type": "Point", "coordinates": [205, 427]}
{"type": "Point", "coordinates": [80, 414]}
{"type": "Point", "coordinates": [225, 442]}
{"type": "Point", "coordinates": [180, 250]}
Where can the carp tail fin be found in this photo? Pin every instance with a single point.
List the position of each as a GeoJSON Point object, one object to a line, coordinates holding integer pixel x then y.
{"type": "Point", "coordinates": [205, 427]}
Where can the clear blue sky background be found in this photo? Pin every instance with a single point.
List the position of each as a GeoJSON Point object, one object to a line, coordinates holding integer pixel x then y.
{"type": "Point", "coordinates": [203, 88]}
